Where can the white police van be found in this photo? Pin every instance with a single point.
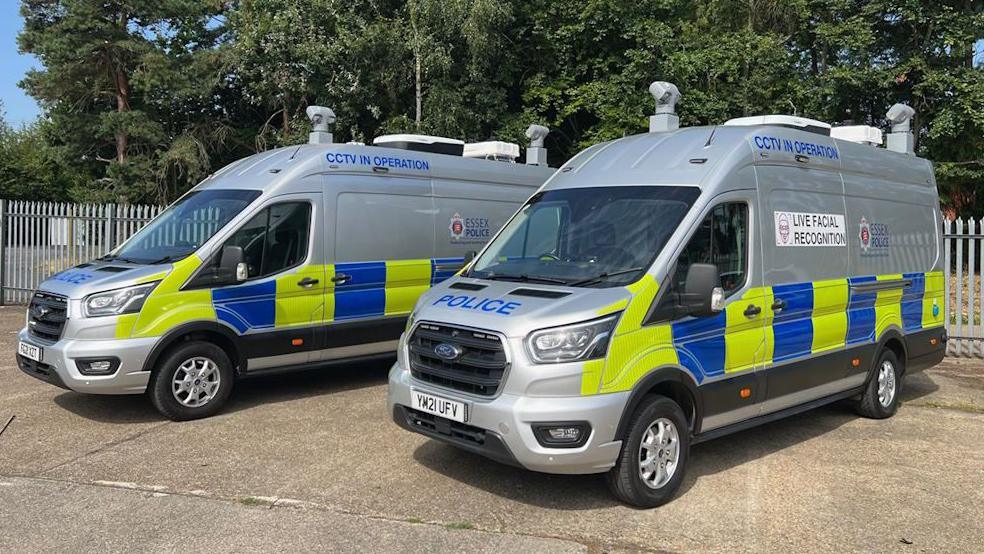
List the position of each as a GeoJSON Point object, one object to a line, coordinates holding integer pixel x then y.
{"type": "Point", "coordinates": [301, 256]}
{"type": "Point", "coordinates": [671, 287]}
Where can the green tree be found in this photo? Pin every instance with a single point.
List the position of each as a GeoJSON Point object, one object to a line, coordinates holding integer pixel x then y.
{"type": "Point", "coordinates": [28, 170]}
{"type": "Point", "coordinates": [115, 84]}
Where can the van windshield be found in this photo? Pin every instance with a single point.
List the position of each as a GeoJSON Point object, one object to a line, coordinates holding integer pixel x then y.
{"type": "Point", "coordinates": [184, 226]}
{"type": "Point", "coordinates": [592, 237]}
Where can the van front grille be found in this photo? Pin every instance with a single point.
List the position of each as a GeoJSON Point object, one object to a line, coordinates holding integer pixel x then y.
{"type": "Point", "coordinates": [46, 316]}
{"type": "Point", "coordinates": [477, 368]}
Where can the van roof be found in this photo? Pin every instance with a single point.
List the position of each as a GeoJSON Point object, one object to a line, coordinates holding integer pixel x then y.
{"type": "Point", "coordinates": [277, 169]}
{"type": "Point", "coordinates": [708, 156]}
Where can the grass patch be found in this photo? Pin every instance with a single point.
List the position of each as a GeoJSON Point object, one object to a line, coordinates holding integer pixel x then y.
{"type": "Point", "coordinates": [959, 406]}
{"type": "Point", "coordinates": [254, 501]}
{"type": "Point", "coordinates": [460, 525]}
{"type": "Point", "coordinates": [414, 520]}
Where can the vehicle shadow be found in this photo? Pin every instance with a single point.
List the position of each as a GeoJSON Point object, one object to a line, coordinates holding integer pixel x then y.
{"type": "Point", "coordinates": [584, 492]}
{"type": "Point", "coordinates": [247, 394]}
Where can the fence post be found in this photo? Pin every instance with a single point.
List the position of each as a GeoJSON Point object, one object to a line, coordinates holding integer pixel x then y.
{"type": "Point", "coordinates": [110, 229]}
{"type": "Point", "coordinates": [3, 251]}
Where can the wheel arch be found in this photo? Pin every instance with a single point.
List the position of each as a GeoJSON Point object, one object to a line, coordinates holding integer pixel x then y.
{"type": "Point", "coordinates": [209, 331]}
{"type": "Point", "coordinates": [673, 382]}
{"type": "Point", "coordinates": [892, 339]}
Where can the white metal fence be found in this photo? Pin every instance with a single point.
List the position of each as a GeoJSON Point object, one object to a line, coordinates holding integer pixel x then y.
{"type": "Point", "coordinates": [963, 256]}
{"type": "Point", "coordinates": [41, 238]}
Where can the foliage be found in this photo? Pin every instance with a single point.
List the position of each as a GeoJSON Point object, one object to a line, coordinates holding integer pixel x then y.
{"type": "Point", "coordinates": [146, 97]}
{"type": "Point", "coordinates": [28, 171]}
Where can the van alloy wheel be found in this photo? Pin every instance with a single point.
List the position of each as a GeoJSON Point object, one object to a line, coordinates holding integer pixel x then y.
{"type": "Point", "coordinates": [196, 381]}
{"type": "Point", "coordinates": [659, 453]}
{"type": "Point", "coordinates": [886, 383]}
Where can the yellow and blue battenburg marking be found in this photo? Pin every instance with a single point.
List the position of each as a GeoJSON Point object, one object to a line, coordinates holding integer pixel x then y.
{"type": "Point", "coordinates": [387, 288]}
{"type": "Point", "coordinates": [808, 319]}
{"type": "Point", "coordinates": [376, 289]}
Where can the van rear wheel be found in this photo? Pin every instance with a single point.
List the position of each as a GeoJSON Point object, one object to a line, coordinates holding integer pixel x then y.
{"type": "Point", "coordinates": [654, 455]}
{"type": "Point", "coordinates": [880, 398]}
{"type": "Point", "coordinates": [192, 381]}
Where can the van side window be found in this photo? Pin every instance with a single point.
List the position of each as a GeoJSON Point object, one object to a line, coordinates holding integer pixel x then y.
{"type": "Point", "coordinates": [721, 239]}
{"type": "Point", "coordinates": [275, 239]}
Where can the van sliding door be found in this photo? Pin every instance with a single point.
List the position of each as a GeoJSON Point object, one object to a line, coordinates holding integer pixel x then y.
{"type": "Point", "coordinates": [806, 240]}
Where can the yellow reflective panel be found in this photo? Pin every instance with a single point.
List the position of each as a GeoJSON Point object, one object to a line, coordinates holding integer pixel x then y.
{"type": "Point", "coordinates": [829, 314]}
{"type": "Point", "coordinates": [297, 305]}
{"type": "Point", "coordinates": [744, 336]}
{"type": "Point", "coordinates": [888, 306]}
{"type": "Point", "coordinates": [406, 280]}
{"type": "Point", "coordinates": [632, 355]}
{"type": "Point", "coordinates": [168, 306]}
{"type": "Point", "coordinates": [934, 296]}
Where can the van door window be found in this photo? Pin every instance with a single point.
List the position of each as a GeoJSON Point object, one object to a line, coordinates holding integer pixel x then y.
{"type": "Point", "coordinates": [722, 240]}
{"type": "Point", "coordinates": [274, 239]}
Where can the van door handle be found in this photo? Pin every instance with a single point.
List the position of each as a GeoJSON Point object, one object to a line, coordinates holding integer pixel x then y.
{"type": "Point", "coordinates": [341, 278]}
{"type": "Point", "coordinates": [752, 310]}
{"type": "Point", "coordinates": [778, 305]}
{"type": "Point", "coordinates": [307, 282]}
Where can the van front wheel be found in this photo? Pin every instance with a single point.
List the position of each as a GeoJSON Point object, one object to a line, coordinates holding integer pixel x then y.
{"type": "Point", "coordinates": [654, 455]}
{"type": "Point", "coordinates": [191, 382]}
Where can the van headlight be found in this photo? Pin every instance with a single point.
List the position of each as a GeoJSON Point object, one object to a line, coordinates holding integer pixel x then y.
{"type": "Point", "coordinates": [581, 341]}
{"type": "Point", "coordinates": [127, 300]}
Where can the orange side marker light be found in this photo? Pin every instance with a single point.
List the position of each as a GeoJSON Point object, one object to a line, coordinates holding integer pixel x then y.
{"type": "Point", "coordinates": [933, 341]}
{"type": "Point", "coordinates": [856, 362]}
{"type": "Point", "coordinates": [296, 342]}
{"type": "Point", "coordinates": [745, 392]}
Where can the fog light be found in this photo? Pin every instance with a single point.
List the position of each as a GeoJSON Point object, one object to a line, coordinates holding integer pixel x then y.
{"type": "Point", "coordinates": [97, 366]}
{"type": "Point", "coordinates": [570, 434]}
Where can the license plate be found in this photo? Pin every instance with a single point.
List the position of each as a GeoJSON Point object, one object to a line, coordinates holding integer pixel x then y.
{"type": "Point", "coordinates": [29, 351]}
{"type": "Point", "coordinates": [441, 407]}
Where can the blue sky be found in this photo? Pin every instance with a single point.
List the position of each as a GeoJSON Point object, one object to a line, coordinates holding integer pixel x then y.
{"type": "Point", "coordinates": [19, 107]}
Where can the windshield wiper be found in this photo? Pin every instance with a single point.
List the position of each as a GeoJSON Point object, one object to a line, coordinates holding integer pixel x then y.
{"type": "Point", "coordinates": [524, 278]}
{"type": "Point", "coordinates": [112, 258]}
{"type": "Point", "coordinates": [596, 278]}
{"type": "Point", "coordinates": [165, 259]}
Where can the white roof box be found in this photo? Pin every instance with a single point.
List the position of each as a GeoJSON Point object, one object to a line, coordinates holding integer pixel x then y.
{"type": "Point", "coordinates": [803, 123]}
{"type": "Point", "coordinates": [492, 150]}
{"type": "Point", "coordinates": [863, 134]}
{"type": "Point", "coordinates": [421, 143]}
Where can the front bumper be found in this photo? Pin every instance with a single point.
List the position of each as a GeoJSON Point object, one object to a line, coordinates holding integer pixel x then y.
{"type": "Point", "coordinates": [58, 366]}
{"type": "Point", "coordinates": [500, 427]}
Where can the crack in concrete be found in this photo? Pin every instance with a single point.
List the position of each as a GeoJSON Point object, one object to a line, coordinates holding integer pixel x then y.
{"type": "Point", "coordinates": [104, 447]}
{"type": "Point", "coordinates": [593, 545]}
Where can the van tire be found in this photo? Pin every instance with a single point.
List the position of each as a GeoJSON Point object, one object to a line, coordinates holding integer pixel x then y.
{"type": "Point", "coordinates": [626, 479]}
{"type": "Point", "coordinates": [871, 403]}
{"type": "Point", "coordinates": [177, 361]}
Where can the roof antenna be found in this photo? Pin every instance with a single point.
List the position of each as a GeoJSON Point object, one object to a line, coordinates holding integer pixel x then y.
{"type": "Point", "coordinates": [666, 96]}
{"type": "Point", "coordinates": [536, 154]}
{"type": "Point", "coordinates": [900, 139]}
{"type": "Point", "coordinates": [322, 119]}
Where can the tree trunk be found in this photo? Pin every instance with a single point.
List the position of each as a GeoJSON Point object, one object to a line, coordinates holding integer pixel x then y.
{"type": "Point", "coordinates": [122, 105]}
{"type": "Point", "coordinates": [286, 116]}
{"type": "Point", "coordinates": [418, 90]}
{"type": "Point", "coordinates": [121, 82]}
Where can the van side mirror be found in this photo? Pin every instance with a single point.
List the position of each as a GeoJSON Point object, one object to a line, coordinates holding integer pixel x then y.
{"type": "Point", "coordinates": [702, 294]}
{"type": "Point", "coordinates": [231, 264]}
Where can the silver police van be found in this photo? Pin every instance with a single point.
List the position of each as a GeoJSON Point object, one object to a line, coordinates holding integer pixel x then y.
{"type": "Point", "coordinates": [671, 287]}
{"type": "Point", "coordinates": [298, 256]}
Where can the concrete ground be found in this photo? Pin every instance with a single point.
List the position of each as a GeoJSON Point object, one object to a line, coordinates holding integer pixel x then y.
{"type": "Point", "coordinates": [312, 462]}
